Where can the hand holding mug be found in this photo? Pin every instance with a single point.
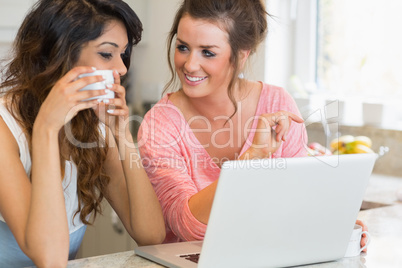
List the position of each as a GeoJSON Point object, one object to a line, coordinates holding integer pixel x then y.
{"type": "Point", "coordinates": [106, 84]}
{"type": "Point", "coordinates": [354, 246]}
{"type": "Point", "coordinates": [66, 99]}
{"type": "Point", "coordinates": [114, 111]}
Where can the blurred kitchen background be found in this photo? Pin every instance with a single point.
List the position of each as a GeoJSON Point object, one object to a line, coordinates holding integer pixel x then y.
{"type": "Point", "coordinates": [340, 60]}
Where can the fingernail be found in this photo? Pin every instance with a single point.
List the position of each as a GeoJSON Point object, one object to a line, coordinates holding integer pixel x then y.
{"type": "Point", "coordinates": [106, 100]}
{"type": "Point", "coordinates": [99, 100]}
{"type": "Point", "coordinates": [109, 86]}
{"type": "Point", "coordinates": [93, 68]}
{"type": "Point", "coordinates": [104, 77]}
{"type": "Point", "coordinates": [110, 111]}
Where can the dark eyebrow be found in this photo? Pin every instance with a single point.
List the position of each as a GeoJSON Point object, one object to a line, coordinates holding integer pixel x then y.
{"type": "Point", "coordinates": [109, 43]}
{"type": "Point", "coordinates": [112, 44]}
{"type": "Point", "coordinates": [204, 47]}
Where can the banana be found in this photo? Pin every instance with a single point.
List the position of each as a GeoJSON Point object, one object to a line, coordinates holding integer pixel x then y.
{"type": "Point", "coordinates": [364, 140]}
{"type": "Point", "coordinates": [340, 143]}
{"type": "Point", "coordinates": [359, 149]}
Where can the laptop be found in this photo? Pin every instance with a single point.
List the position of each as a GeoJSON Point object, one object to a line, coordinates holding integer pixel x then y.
{"type": "Point", "coordinates": [276, 213]}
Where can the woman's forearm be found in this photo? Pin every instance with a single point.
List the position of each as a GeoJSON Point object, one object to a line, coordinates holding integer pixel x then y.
{"type": "Point", "coordinates": [47, 227]}
{"type": "Point", "coordinates": [147, 224]}
{"type": "Point", "coordinates": [200, 204]}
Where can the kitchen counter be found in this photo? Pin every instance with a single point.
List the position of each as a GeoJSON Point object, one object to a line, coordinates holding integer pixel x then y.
{"type": "Point", "coordinates": [384, 223]}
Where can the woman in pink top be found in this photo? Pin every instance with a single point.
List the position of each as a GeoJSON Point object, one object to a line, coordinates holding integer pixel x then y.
{"type": "Point", "coordinates": [215, 115]}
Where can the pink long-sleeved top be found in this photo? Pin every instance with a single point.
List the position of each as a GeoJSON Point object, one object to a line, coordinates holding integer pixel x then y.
{"type": "Point", "coordinates": [179, 166]}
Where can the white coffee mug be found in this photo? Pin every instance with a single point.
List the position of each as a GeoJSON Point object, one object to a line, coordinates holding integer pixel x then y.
{"type": "Point", "coordinates": [109, 79]}
{"type": "Point", "coordinates": [354, 248]}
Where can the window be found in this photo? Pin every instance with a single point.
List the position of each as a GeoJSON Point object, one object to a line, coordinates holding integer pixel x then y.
{"type": "Point", "coordinates": [359, 47]}
{"type": "Point", "coordinates": [348, 50]}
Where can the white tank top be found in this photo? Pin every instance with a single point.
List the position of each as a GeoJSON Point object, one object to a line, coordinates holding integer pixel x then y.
{"type": "Point", "coordinates": [70, 177]}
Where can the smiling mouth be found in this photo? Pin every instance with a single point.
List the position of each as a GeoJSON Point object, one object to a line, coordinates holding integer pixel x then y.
{"type": "Point", "coordinates": [194, 79]}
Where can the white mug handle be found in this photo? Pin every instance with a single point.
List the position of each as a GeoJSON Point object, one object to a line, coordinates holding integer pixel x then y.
{"type": "Point", "coordinates": [368, 240]}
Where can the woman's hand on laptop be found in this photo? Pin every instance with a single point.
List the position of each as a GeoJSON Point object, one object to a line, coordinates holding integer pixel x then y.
{"type": "Point", "coordinates": [363, 241]}
{"type": "Point", "coordinates": [271, 130]}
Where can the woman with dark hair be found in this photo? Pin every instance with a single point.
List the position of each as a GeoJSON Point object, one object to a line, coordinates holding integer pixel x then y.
{"type": "Point", "coordinates": [64, 149]}
{"type": "Point", "coordinates": [216, 114]}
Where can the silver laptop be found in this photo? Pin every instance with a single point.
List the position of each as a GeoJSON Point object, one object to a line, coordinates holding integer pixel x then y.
{"type": "Point", "coordinates": [276, 213]}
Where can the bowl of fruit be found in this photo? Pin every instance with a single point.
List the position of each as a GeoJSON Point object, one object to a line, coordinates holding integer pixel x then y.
{"type": "Point", "coordinates": [346, 144]}
{"type": "Point", "coordinates": [349, 144]}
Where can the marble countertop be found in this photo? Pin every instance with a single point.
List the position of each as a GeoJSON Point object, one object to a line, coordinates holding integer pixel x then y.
{"type": "Point", "coordinates": [384, 223]}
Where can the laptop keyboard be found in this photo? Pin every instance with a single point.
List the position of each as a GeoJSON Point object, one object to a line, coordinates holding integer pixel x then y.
{"type": "Point", "coordinates": [191, 257]}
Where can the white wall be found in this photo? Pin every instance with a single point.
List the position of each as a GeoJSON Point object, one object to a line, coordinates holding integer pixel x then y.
{"type": "Point", "coordinates": [149, 64]}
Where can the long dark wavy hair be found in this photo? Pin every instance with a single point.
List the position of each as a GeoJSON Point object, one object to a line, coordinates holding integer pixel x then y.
{"type": "Point", "coordinates": [245, 21]}
{"type": "Point", "coordinates": [47, 46]}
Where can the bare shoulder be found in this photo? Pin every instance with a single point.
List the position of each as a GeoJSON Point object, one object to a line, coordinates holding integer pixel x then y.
{"type": "Point", "coordinates": [250, 87]}
{"type": "Point", "coordinates": [255, 85]}
{"type": "Point", "coordinates": [177, 98]}
{"type": "Point", "coordinates": [180, 101]}
{"type": "Point", "coordinates": [251, 93]}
